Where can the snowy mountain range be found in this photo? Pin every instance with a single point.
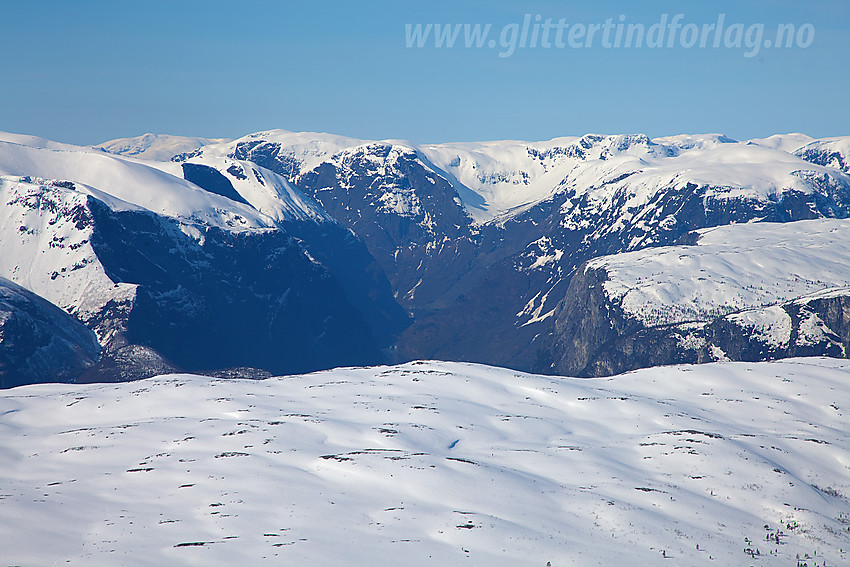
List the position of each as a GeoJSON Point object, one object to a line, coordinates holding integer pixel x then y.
{"type": "Point", "coordinates": [176, 251]}
{"type": "Point", "coordinates": [480, 240]}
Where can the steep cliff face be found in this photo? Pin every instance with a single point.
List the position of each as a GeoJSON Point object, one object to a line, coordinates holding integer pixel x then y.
{"type": "Point", "coordinates": [484, 243]}
{"type": "Point", "coordinates": [38, 341]}
{"type": "Point", "coordinates": [324, 238]}
{"type": "Point", "coordinates": [603, 342]}
{"type": "Point", "coordinates": [219, 299]}
{"type": "Point", "coordinates": [519, 295]}
{"type": "Point", "coordinates": [408, 215]}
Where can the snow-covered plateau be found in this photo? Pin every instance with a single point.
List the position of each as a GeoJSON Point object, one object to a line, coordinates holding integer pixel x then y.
{"type": "Point", "coordinates": [732, 268]}
{"type": "Point", "coordinates": [433, 463]}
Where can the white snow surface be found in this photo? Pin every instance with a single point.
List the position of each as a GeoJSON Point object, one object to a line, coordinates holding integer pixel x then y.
{"type": "Point", "coordinates": [502, 175]}
{"type": "Point", "coordinates": [130, 181]}
{"type": "Point", "coordinates": [732, 268]}
{"type": "Point", "coordinates": [433, 463]}
{"type": "Point", "coordinates": [785, 142]}
{"type": "Point", "coordinates": [157, 147]}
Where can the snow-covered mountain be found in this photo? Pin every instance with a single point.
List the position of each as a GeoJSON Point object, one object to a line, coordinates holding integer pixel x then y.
{"type": "Point", "coordinates": [172, 274]}
{"type": "Point", "coordinates": [831, 152]}
{"type": "Point", "coordinates": [625, 194]}
{"type": "Point", "coordinates": [157, 147]}
{"type": "Point", "coordinates": [433, 463]}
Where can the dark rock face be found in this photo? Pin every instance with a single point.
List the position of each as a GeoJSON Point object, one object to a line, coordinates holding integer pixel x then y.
{"type": "Point", "coordinates": [337, 248]}
{"type": "Point", "coordinates": [268, 155]}
{"type": "Point", "coordinates": [234, 299]}
{"type": "Point", "coordinates": [212, 180]}
{"type": "Point", "coordinates": [38, 341]}
{"type": "Point", "coordinates": [823, 154]}
{"type": "Point", "coordinates": [302, 296]}
{"type": "Point", "coordinates": [364, 284]}
{"type": "Point", "coordinates": [410, 217]}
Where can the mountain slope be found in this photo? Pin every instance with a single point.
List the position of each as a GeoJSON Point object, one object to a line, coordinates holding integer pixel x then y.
{"type": "Point", "coordinates": [433, 463]}
{"type": "Point", "coordinates": [633, 194]}
{"type": "Point", "coordinates": [339, 249]}
{"type": "Point", "coordinates": [38, 341]}
{"type": "Point", "coordinates": [830, 152]}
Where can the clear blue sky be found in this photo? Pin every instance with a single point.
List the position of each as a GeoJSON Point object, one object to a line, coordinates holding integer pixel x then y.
{"type": "Point", "coordinates": [86, 71]}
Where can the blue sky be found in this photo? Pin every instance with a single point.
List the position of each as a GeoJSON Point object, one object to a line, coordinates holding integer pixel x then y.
{"type": "Point", "coordinates": [87, 71]}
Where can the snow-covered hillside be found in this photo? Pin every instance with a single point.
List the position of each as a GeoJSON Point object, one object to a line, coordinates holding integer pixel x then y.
{"type": "Point", "coordinates": [433, 463]}
{"type": "Point", "coordinates": [38, 341]}
{"type": "Point", "coordinates": [46, 239]}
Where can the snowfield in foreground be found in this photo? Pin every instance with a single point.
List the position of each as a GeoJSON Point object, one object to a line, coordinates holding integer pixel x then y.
{"type": "Point", "coordinates": [433, 463]}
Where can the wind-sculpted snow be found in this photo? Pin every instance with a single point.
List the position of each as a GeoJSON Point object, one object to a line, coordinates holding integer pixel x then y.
{"type": "Point", "coordinates": [264, 190]}
{"type": "Point", "coordinates": [433, 464]}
